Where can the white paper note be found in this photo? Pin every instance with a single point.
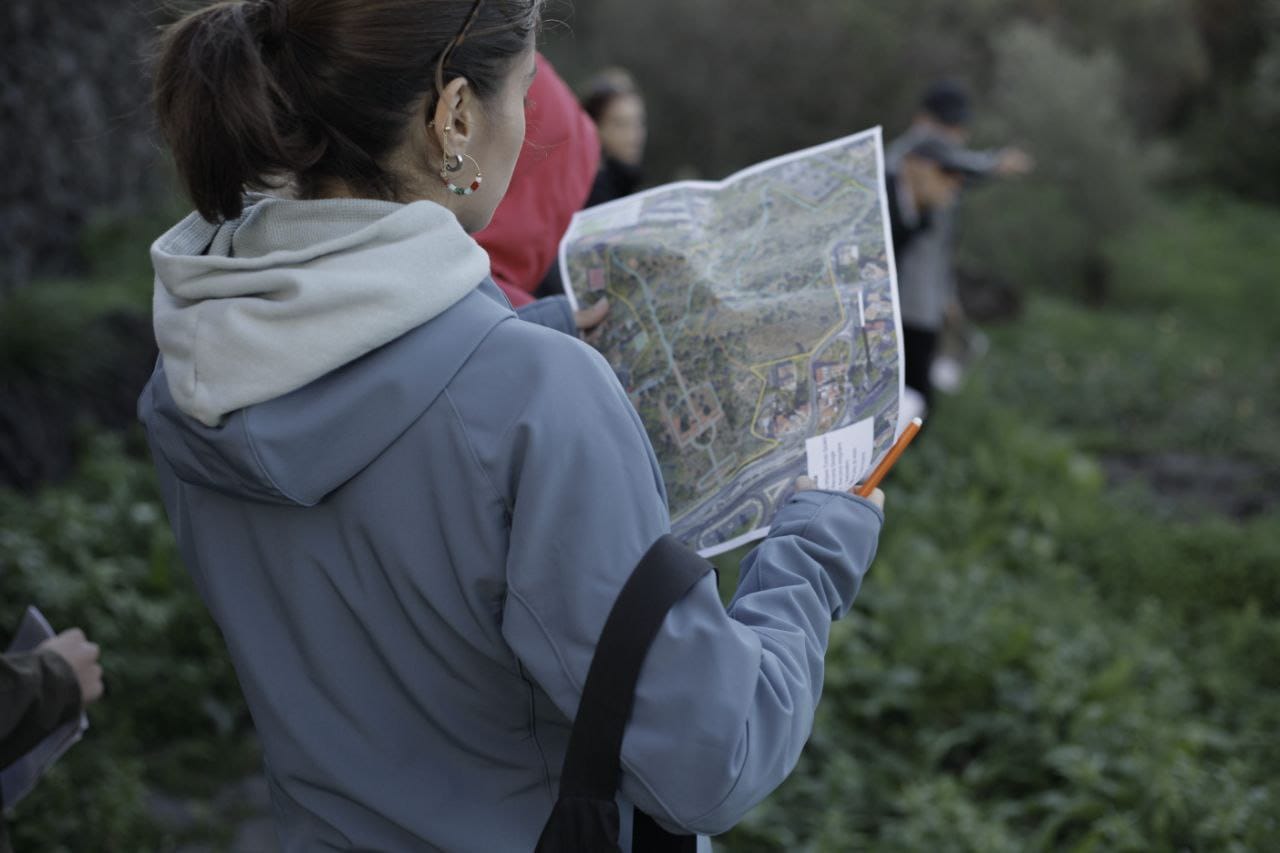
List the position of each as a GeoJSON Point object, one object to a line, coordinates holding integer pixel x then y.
{"type": "Point", "coordinates": [839, 459]}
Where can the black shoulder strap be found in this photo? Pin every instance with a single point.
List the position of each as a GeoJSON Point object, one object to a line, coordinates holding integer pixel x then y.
{"type": "Point", "coordinates": [592, 765]}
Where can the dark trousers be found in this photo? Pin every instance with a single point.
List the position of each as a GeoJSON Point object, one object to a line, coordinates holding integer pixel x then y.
{"type": "Point", "coordinates": [918, 346]}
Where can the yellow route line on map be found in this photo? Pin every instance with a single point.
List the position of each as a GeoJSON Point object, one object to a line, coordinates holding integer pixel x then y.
{"type": "Point", "coordinates": [764, 386]}
{"type": "Point", "coordinates": [773, 445]}
{"type": "Point", "coordinates": [755, 369]}
{"type": "Point", "coordinates": [624, 301]}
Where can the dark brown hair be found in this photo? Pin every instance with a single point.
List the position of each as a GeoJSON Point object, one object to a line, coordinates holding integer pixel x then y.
{"type": "Point", "coordinates": [249, 93]}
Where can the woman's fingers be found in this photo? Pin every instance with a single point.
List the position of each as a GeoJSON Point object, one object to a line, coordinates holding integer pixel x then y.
{"type": "Point", "coordinates": [591, 316]}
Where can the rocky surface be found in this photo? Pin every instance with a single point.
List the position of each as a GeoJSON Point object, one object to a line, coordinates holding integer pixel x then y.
{"type": "Point", "coordinates": [77, 137]}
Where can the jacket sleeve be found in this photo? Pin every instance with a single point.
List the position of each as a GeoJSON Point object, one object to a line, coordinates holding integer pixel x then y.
{"type": "Point", "coordinates": [725, 700]}
{"type": "Point", "coordinates": [38, 693]}
{"type": "Point", "coordinates": [982, 162]}
{"type": "Point", "coordinates": [553, 312]}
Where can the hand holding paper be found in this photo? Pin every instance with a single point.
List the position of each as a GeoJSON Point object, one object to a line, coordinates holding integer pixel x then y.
{"type": "Point", "coordinates": [17, 780]}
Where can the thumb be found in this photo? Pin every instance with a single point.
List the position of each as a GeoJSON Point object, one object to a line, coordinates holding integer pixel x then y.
{"type": "Point", "coordinates": [592, 315]}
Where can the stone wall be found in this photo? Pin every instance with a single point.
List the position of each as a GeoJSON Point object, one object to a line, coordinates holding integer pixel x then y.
{"type": "Point", "coordinates": [76, 123]}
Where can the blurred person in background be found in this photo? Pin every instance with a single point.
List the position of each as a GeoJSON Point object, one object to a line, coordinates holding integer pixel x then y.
{"type": "Point", "coordinates": [42, 690]}
{"type": "Point", "coordinates": [615, 104]}
{"type": "Point", "coordinates": [925, 262]}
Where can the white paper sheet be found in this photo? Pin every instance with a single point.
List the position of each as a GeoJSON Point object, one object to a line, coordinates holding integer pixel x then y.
{"type": "Point", "coordinates": [840, 458]}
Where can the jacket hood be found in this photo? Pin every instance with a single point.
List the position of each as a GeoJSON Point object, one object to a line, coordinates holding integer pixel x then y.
{"type": "Point", "coordinates": [340, 353]}
{"type": "Point", "coordinates": [250, 309]}
{"type": "Point", "coordinates": [298, 448]}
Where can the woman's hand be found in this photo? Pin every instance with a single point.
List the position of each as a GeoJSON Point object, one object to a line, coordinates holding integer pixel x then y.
{"type": "Point", "coordinates": [877, 498]}
{"type": "Point", "coordinates": [804, 484]}
{"type": "Point", "coordinates": [593, 315]}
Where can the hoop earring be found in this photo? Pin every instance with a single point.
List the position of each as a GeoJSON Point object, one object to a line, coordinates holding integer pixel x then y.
{"type": "Point", "coordinates": [454, 165]}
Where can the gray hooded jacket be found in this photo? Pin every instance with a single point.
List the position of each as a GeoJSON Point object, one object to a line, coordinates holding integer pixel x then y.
{"type": "Point", "coordinates": [411, 532]}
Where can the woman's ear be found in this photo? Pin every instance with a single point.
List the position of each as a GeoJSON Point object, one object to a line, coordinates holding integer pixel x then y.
{"type": "Point", "coordinates": [453, 122]}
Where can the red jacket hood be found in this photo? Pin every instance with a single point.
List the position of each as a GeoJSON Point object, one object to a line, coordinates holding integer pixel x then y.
{"type": "Point", "coordinates": [551, 182]}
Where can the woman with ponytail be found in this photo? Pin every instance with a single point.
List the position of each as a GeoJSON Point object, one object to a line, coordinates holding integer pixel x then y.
{"type": "Point", "coordinates": [408, 511]}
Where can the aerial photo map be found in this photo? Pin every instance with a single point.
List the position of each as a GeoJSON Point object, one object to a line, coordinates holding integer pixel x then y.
{"type": "Point", "coordinates": [754, 325]}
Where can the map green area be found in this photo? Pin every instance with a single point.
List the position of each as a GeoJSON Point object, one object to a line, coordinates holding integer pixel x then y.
{"type": "Point", "coordinates": [747, 316]}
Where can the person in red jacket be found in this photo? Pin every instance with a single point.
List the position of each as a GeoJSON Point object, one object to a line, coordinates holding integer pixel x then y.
{"type": "Point", "coordinates": [551, 182]}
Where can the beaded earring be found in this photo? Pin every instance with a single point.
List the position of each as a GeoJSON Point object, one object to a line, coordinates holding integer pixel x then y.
{"type": "Point", "coordinates": [452, 166]}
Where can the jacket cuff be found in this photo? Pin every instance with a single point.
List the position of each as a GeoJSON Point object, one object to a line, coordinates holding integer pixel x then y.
{"type": "Point", "coordinates": [554, 312]}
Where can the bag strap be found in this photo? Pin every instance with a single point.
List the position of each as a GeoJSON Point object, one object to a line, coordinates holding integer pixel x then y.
{"type": "Point", "coordinates": [592, 765]}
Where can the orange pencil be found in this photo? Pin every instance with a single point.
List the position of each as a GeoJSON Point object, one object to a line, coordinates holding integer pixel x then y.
{"type": "Point", "coordinates": [890, 458]}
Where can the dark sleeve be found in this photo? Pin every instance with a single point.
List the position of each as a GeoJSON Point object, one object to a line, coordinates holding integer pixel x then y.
{"type": "Point", "coordinates": [981, 163]}
{"type": "Point", "coordinates": [38, 693]}
{"type": "Point", "coordinates": [552, 284]}
{"type": "Point", "coordinates": [615, 180]}
{"type": "Point", "coordinates": [554, 312]}
{"type": "Point", "coordinates": [901, 232]}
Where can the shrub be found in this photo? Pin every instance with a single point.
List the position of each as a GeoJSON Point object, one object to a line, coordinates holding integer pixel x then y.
{"type": "Point", "coordinates": [1042, 661]}
{"type": "Point", "coordinates": [1090, 186]}
{"type": "Point", "coordinates": [97, 553]}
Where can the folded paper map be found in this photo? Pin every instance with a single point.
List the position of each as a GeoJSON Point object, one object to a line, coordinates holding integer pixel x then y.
{"type": "Point", "coordinates": [755, 327]}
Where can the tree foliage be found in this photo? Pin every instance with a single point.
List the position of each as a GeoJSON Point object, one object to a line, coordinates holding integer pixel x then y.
{"type": "Point", "coordinates": [1093, 174]}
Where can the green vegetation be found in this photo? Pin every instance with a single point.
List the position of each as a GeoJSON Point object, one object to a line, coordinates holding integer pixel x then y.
{"type": "Point", "coordinates": [1184, 356]}
{"type": "Point", "coordinates": [1070, 639]}
{"type": "Point", "coordinates": [97, 552]}
{"type": "Point", "coordinates": [1092, 178]}
{"type": "Point", "coordinates": [1039, 661]}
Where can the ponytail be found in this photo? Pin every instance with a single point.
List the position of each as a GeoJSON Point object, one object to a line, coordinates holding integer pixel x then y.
{"type": "Point", "coordinates": [225, 118]}
{"type": "Point", "coordinates": [250, 94]}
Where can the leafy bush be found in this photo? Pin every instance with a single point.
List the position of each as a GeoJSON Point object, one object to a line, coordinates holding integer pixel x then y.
{"type": "Point", "coordinates": [1090, 185]}
{"type": "Point", "coordinates": [97, 553]}
{"type": "Point", "coordinates": [1039, 660]}
{"type": "Point", "coordinates": [1025, 672]}
{"type": "Point", "coordinates": [1234, 135]}
{"type": "Point", "coordinates": [1183, 361]}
